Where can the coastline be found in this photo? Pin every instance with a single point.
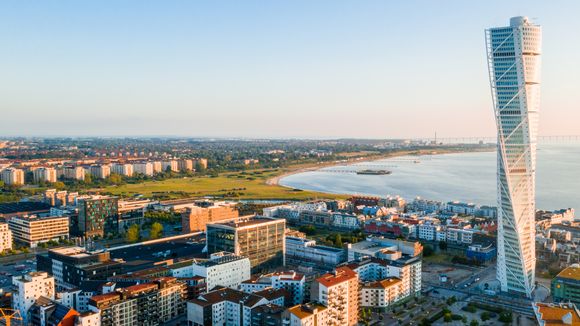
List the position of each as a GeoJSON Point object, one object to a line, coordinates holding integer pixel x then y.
{"type": "Point", "coordinates": [275, 181]}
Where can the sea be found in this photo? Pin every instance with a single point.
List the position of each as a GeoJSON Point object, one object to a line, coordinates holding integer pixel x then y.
{"type": "Point", "coordinates": [467, 177]}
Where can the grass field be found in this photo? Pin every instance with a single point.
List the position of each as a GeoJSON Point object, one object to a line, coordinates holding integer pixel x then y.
{"type": "Point", "coordinates": [235, 185]}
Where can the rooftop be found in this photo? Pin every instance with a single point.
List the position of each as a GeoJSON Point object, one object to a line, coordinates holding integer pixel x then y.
{"type": "Point", "coordinates": [220, 294]}
{"type": "Point", "coordinates": [383, 284]}
{"type": "Point", "coordinates": [306, 310]}
{"type": "Point", "coordinates": [340, 275]}
{"type": "Point", "coordinates": [19, 207]}
{"type": "Point", "coordinates": [248, 221]}
{"type": "Point", "coordinates": [558, 314]}
{"type": "Point", "coordinates": [572, 272]}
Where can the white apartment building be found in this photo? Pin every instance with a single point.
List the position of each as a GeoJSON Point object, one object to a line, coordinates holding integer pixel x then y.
{"type": "Point", "coordinates": [145, 168]}
{"type": "Point", "coordinates": [171, 164]}
{"type": "Point", "coordinates": [30, 287]}
{"type": "Point", "coordinates": [294, 283]}
{"type": "Point", "coordinates": [122, 169]}
{"type": "Point", "coordinates": [223, 306]}
{"type": "Point", "coordinates": [5, 237]}
{"type": "Point", "coordinates": [428, 231]}
{"type": "Point", "coordinates": [100, 171]}
{"type": "Point", "coordinates": [461, 208]}
{"type": "Point", "coordinates": [74, 172]}
{"type": "Point", "coordinates": [44, 174]}
{"type": "Point", "coordinates": [223, 269]}
{"type": "Point", "coordinates": [32, 230]}
{"type": "Point", "coordinates": [460, 235]}
{"type": "Point", "coordinates": [12, 176]}
{"type": "Point", "coordinates": [310, 314]}
{"type": "Point", "coordinates": [347, 221]}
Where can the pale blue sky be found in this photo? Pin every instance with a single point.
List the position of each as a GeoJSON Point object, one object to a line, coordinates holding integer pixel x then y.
{"type": "Point", "coordinates": [378, 69]}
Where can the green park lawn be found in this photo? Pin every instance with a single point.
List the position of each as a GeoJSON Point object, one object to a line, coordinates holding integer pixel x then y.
{"type": "Point", "coordinates": [234, 185]}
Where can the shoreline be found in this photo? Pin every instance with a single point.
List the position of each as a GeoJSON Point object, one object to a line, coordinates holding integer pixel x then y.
{"type": "Point", "coordinates": [275, 181]}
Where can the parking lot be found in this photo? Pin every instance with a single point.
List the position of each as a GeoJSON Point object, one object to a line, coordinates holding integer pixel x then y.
{"type": "Point", "coordinates": [8, 270]}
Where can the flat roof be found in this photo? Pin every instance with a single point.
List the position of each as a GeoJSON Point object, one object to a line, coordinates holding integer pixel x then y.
{"type": "Point", "coordinates": [247, 222]}
{"type": "Point", "coordinates": [20, 207]}
{"type": "Point", "coordinates": [554, 314]}
{"type": "Point", "coordinates": [572, 272]}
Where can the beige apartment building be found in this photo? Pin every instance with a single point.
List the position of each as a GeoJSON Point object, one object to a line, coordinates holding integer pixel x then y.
{"type": "Point", "coordinates": [195, 218]}
{"type": "Point", "coordinates": [12, 176]}
{"type": "Point", "coordinates": [338, 291]}
{"type": "Point", "coordinates": [5, 237]}
{"type": "Point", "coordinates": [32, 230]}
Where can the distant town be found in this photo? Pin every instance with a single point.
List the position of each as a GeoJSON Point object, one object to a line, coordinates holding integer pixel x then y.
{"type": "Point", "coordinates": [78, 251]}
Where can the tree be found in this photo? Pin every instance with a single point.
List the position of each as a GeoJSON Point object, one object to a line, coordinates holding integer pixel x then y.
{"type": "Point", "coordinates": [156, 231]}
{"type": "Point", "coordinates": [447, 317]}
{"type": "Point", "coordinates": [338, 241]}
{"type": "Point", "coordinates": [442, 245]}
{"type": "Point", "coordinates": [59, 185]}
{"type": "Point", "coordinates": [115, 178]}
{"type": "Point", "coordinates": [474, 323]}
{"type": "Point", "coordinates": [88, 178]}
{"type": "Point", "coordinates": [133, 233]}
{"type": "Point", "coordinates": [485, 316]}
{"type": "Point", "coordinates": [427, 250]}
{"type": "Point", "coordinates": [505, 317]}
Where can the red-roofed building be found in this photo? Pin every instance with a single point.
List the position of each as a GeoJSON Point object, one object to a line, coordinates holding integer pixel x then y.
{"type": "Point", "coordinates": [338, 291]}
{"type": "Point", "coordinates": [151, 303]}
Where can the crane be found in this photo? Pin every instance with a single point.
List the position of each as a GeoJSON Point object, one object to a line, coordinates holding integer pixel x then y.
{"type": "Point", "coordinates": [8, 315]}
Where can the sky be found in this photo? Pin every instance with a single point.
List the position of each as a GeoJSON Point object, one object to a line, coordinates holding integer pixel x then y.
{"type": "Point", "coordinates": [271, 69]}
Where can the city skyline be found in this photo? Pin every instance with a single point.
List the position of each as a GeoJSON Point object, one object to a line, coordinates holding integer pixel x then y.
{"type": "Point", "coordinates": [267, 70]}
{"type": "Point", "coordinates": [514, 57]}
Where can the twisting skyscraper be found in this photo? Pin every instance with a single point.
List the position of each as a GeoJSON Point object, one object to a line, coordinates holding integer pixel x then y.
{"type": "Point", "coordinates": [513, 54]}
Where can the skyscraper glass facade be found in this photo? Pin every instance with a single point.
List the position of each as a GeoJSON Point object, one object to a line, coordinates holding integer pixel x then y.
{"type": "Point", "coordinates": [514, 69]}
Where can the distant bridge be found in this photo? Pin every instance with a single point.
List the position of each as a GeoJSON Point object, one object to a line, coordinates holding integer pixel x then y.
{"type": "Point", "coordinates": [492, 139]}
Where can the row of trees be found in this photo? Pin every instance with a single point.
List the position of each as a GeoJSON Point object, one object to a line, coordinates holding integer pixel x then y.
{"type": "Point", "coordinates": [134, 232]}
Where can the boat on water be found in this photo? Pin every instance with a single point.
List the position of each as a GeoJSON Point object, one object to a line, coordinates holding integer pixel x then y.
{"type": "Point", "coordinates": [374, 172]}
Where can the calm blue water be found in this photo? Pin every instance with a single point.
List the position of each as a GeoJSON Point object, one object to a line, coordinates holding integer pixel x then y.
{"type": "Point", "coordinates": [469, 177]}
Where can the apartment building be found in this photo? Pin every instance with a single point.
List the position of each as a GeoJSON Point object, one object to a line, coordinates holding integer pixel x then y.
{"type": "Point", "coordinates": [124, 169]}
{"type": "Point", "coordinates": [195, 218]}
{"type": "Point", "coordinates": [381, 294]}
{"type": "Point", "coordinates": [28, 288]}
{"type": "Point", "coordinates": [32, 230]}
{"type": "Point", "coordinates": [223, 269]}
{"type": "Point", "coordinates": [170, 165]}
{"type": "Point", "coordinates": [223, 306]}
{"type": "Point", "coordinates": [309, 314]}
{"type": "Point", "coordinates": [102, 171]}
{"type": "Point", "coordinates": [294, 283]}
{"type": "Point", "coordinates": [185, 165]}
{"type": "Point", "coordinates": [98, 216]}
{"type": "Point", "coordinates": [339, 292]}
{"type": "Point", "coordinates": [74, 172]}
{"type": "Point", "coordinates": [157, 166]}
{"type": "Point", "coordinates": [261, 239]}
{"type": "Point", "coordinates": [12, 176]}
{"type": "Point", "coordinates": [44, 174]}
{"type": "Point", "coordinates": [152, 303]}
{"type": "Point", "coordinates": [145, 168]}
{"type": "Point", "coordinates": [5, 237]}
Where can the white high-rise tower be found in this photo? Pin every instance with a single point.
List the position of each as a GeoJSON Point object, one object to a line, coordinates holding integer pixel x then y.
{"type": "Point", "coordinates": [513, 54]}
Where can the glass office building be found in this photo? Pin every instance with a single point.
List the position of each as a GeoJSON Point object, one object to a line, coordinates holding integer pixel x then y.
{"type": "Point", "coordinates": [260, 239]}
